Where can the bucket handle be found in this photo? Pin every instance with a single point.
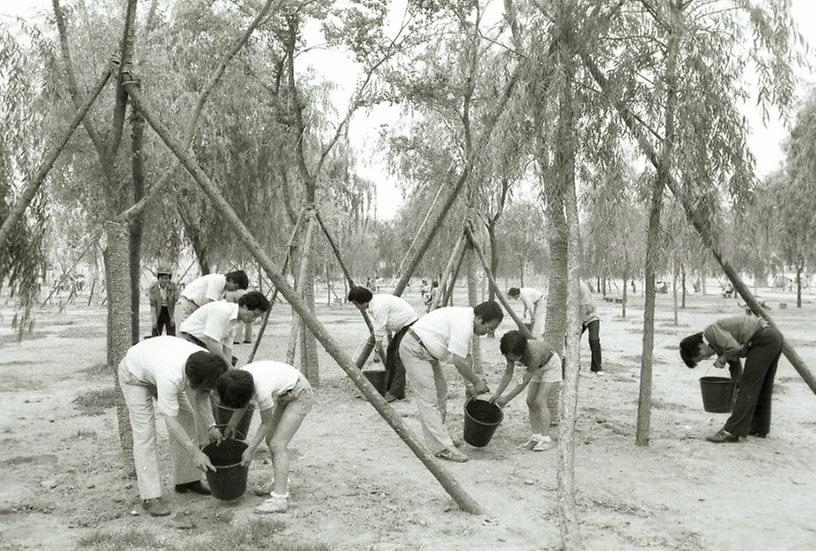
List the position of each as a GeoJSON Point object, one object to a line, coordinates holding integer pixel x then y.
{"type": "Point", "coordinates": [243, 438]}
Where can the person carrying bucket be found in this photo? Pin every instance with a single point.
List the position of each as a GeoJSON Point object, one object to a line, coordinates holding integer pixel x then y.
{"type": "Point", "coordinates": [543, 375]}
{"type": "Point", "coordinates": [388, 313]}
{"type": "Point", "coordinates": [162, 368]}
{"type": "Point", "coordinates": [284, 397]}
{"type": "Point", "coordinates": [441, 334]}
{"type": "Point", "coordinates": [731, 338]}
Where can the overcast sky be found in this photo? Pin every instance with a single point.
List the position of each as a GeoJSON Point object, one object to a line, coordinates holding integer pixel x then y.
{"type": "Point", "coordinates": [765, 139]}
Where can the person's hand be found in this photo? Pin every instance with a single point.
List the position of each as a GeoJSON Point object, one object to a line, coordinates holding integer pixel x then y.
{"type": "Point", "coordinates": [214, 434]}
{"type": "Point", "coordinates": [202, 462]}
{"type": "Point", "coordinates": [230, 432]}
{"type": "Point", "coordinates": [480, 387]}
{"type": "Point", "coordinates": [719, 363]}
{"type": "Point", "coordinates": [501, 402]}
{"type": "Point", "coordinates": [247, 456]}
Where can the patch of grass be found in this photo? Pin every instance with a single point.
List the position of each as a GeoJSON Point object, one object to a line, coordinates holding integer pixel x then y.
{"type": "Point", "coordinates": [97, 370]}
{"type": "Point", "coordinates": [256, 534]}
{"type": "Point", "coordinates": [104, 540]}
{"type": "Point", "coordinates": [82, 433]}
{"type": "Point", "coordinates": [96, 402]}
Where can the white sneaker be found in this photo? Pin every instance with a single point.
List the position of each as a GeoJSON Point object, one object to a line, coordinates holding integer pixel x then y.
{"type": "Point", "coordinates": [543, 444]}
{"type": "Point", "coordinates": [276, 503]}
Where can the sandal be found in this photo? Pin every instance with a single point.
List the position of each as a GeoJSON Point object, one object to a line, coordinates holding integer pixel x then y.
{"type": "Point", "coordinates": [451, 455]}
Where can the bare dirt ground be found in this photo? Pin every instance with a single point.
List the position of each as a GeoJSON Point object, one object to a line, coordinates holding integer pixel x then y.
{"type": "Point", "coordinates": [356, 486]}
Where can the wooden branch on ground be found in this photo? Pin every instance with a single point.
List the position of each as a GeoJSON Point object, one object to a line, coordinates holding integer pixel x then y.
{"type": "Point", "coordinates": [30, 190]}
{"type": "Point", "coordinates": [492, 280]}
{"type": "Point", "coordinates": [451, 486]}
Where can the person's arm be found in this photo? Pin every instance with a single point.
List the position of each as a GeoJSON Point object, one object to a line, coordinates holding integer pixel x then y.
{"type": "Point", "coordinates": [217, 348]}
{"type": "Point", "coordinates": [178, 434]}
{"type": "Point", "coordinates": [465, 368]}
{"type": "Point", "coordinates": [505, 380]}
{"type": "Point", "coordinates": [204, 415]}
{"type": "Point", "coordinates": [232, 425]}
{"type": "Point", "coordinates": [723, 340]}
{"type": "Point", "coordinates": [264, 431]}
{"type": "Point", "coordinates": [504, 400]}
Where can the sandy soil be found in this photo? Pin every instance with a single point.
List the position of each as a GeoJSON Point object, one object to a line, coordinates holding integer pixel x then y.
{"type": "Point", "coordinates": [356, 486]}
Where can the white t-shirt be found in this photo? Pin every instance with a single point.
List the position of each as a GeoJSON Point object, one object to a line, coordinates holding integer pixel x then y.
{"type": "Point", "coordinates": [389, 313]}
{"type": "Point", "coordinates": [216, 320]}
{"type": "Point", "coordinates": [446, 331]}
{"type": "Point", "coordinates": [271, 379]}
{"type": "Point", "coordinates": [530, 296]}
{"type": "Point", "coordinates": [588, 311]}
{"type": "Point", "coordinates": [159, 362]}
{"type": "Point", "coordinates": [208, 287]}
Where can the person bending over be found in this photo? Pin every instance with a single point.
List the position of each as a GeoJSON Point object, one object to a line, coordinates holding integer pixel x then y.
{"type": "Point", "coordinates": [542, 379]}
{"type": "Point", "coordinates": [206, 289]}
{"type": "Point", "coordinates": [761, 345]}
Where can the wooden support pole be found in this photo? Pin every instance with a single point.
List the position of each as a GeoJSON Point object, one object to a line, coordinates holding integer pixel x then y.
{"type": "Point", "coordinates": [447, 299]}
{"type": "Point", "coordinates": [448, 482]}
{"type": "Point", "coordinates": [455, 258]}
{"type": "Point", "coordinates": [16, 211]}
{"type": "Point", "coordinates": [366, 350]}
{"type": "Point", "coordinates": [499, 293]}
{"type": "Point", "coordinates": [284, 265]}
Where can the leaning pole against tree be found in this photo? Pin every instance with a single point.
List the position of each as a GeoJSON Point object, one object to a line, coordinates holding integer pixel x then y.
{"type": "Point", "coordinates": [700, 225]}
{"type": "Point", "coordinates": [462, 498]}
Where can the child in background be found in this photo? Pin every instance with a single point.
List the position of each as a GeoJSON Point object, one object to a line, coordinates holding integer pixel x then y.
{"type": "Point", "coordinates": [543, 375]}
{"type": "Point", "coordinates": [284, 397]}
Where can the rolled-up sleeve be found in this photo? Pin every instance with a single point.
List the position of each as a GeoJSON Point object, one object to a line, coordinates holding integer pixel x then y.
{"type": "Point", "coordinates": [721, 338]}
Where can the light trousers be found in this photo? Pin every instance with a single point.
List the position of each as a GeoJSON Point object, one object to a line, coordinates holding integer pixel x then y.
{"type": "Point", "coordinates": [430, 390]}
{"type": "Point", "coordinates": [139, 399]}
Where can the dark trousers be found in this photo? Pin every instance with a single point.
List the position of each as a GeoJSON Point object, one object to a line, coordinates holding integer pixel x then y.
{"type": "Point", "coordinates": [594, 342]}
{"type": "Point", "coordinates": [395, 380]}
{"type": "Point", "coordinates": [163, 322]}
{"type": "Point", "coordinates": [752, 407]}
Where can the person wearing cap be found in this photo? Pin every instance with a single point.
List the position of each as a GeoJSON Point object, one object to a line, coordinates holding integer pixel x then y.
{"type": "Point", "coordinates": [441, 335]}
{"type": "Point", "coordinates": [213, 325]}
{"type": "Point", "coordinates": [392, 314]}
{"type": "Point", "coordinates": [534, 305]}
{"type": "Point", "coordinates": [208, 288]}
{"type": "Point", "coordinates": [162, 296]}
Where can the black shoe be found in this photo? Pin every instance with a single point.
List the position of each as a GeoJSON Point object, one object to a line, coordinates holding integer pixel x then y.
{"type": "Point", "coordinates": [196, 487]}
{"type": "Point", "coordinates": [758, 434]}
{"type": "Point", "coordinates": [722, 436]}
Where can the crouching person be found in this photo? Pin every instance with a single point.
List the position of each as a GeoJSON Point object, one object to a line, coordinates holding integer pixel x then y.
{"type": "Point", "coordinates": [284, 397]}
{"type": "Point", "coordinates": [163, 368]}
{"type": "Point", "coordinates": [543, 379]}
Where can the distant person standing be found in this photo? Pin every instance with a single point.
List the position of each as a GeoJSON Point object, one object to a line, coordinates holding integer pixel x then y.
{"type": "Point", "coordinates": [208, 288]}
{"type": "Point", "coordinates": [592, 323]}
{"type": "Point", "coordinates": [533, 304]}
{"type": "Point", "coordinates": [162, 296]}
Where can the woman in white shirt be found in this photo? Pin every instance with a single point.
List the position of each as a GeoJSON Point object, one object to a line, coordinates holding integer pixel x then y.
{"type": "Point", "coordinates": [284, 397]}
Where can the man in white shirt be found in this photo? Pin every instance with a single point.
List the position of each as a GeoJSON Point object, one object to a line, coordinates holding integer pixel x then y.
{"type": "Point", "coordinates": [164, 368]}
{"type": "Point", "coordinates": [208, 288]}
{"type": "Point", "coordinates": [590, 321]}
{"type": "Point", "coordinates": [392, 314]}
{"type": "Point", "coordinates": [444, 333]}
{"type": "Point", "coordinates": [534, 303]}
{"type": "Point", "coordinates": [213, 325]}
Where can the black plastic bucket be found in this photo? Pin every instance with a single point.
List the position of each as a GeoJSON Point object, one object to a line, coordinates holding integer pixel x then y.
{"type": "Point", "coordinates": [717, 394]}
{"type": "Point", "coordinates": [377, 378]}
{"type": "Point", "coordinates": [229, 480]}
{"type": "Point", "coordinates": [481, 420]}
{"type": "Point", "coordinates": [223, 414]}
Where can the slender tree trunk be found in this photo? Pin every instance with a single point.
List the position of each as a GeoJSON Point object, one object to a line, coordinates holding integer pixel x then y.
{"type": "Point", "coordinates": [494, 257]}
{"type": "Point", "coordinates": [674, 291]}
{"type": "Point", "coordinates": [137, 223]}
{"type": "Point", "coordinates": [683, 285]}
{"type": "Point", "coordinates": [308, 346]}
{"type": "Point", "coordinates": [625, 288]}
{"type": "Point", "coordinates": [473, 299]}
{"type": "Point", "coordinates": [799, 286]}
{"type": "Point", "coordinates": [555, 329]}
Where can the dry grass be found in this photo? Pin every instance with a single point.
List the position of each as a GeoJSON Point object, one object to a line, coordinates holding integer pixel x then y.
{"type": "Point", "coordinates": [96, 402]}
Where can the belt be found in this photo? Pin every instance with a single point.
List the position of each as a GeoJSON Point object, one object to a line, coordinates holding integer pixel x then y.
{"type": "Point", "coordinates": [414, 336]}
{"type": "Point", "coordinates": [193, 339]}
{"type": "Point", "coordinates": [190, 301]}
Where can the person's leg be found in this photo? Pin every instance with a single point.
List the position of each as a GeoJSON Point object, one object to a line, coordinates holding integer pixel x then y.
{"type": "Point", "coordinates": [289, 422]}
{"type": "Point", "coordinates": [139, 401]}
{"type": "Point", "coordinates": [423, 385]}
{"type": "Point", "coordinates": [539, 318]}
{"type": "Point", "coordinates": [163, 321]}
{"type": "Point", "coordinates": [595, 344]}
{"type": "Point", "coordinates": [184, 468]}
{"type": "Point", "coordinates": [761, 423]}
{"type": "Point", "coordinates": [735, 370]}
{"type": "Point", "coordinates": [396, 371]}
{"type": "Point", "coordinates": [184, 308]}
{"type": "Point", "coordinates": [539, 416]}
{"type": "Point", "coordinates": [441, 384]}
{"type": "Point", "coordinates": [763, 354]}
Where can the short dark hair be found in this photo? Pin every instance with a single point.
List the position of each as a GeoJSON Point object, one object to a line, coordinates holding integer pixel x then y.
{"type": "Point", "coordinates": [488, 311]}
{"type": "Point", "coordinates": [360, 295]}
{"type": "Point", "coordinates": [254, 300]}
{"type": "Point", "coordinates": [235, 388]}
{"type": "Point", "coordinates": [203, 369]}
{"type": "Point", "coordinates": [513, 342]}
{"type": "Point", "coordinates": [513, 292]}
{"type": "Point", "coordinates": [690, 349]}
{"type": "Point", "coordinates": [238, 277]}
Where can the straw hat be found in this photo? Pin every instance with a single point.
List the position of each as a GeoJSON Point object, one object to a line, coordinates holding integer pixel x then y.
{"type": "Point", "coordinates": [164, 269]}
